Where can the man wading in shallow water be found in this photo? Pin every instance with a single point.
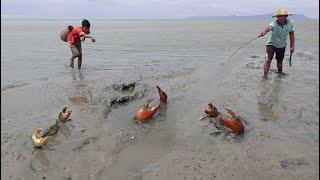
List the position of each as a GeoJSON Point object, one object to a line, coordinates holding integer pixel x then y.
{"type": "Point", "coordinates": [75, 42]}
{"type": "Point", "coordinates": [276, 43]}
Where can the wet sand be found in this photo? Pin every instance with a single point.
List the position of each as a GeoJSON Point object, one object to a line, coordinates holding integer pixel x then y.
{"type": "Point", "coordinates": [281, 115]}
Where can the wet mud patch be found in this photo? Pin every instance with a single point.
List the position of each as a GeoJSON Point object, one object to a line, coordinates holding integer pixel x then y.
{"type": "Point", "coordinates": [306, 55]}
{"type": "Point", "coordinates": [225, 136]}
{"type": "Point", "coordinates": [78, 100]}
{"type": "Point", "coordinates": [39, 162]}
{"type": "Point", "coordinates": [12, 86]}
{"type": "Point", "coordinates": [84, 143]}
{"type": "Point", "coordinates": [125, 87]}
{"type": "Point", "coordinates": [254, 56]}
{"type": "Point", "coordinates": [150, 169]}
{"type": "Point", "coordinates": [284, 106]}
{"type": "Point", "coordinates": [253, 65]}
{"type": "Point", "coordinates": [193, 165]}
{"type": "Point", "coordinates": [176, 74]}
{"type": "Point", "coordinates": [122, 93]}
{"type": "Point", "coordinates": [125, 136]}
{"type": "Point", "coordinates": [293, 163]}
{"type": "Point", "coordinates": [136, 132]}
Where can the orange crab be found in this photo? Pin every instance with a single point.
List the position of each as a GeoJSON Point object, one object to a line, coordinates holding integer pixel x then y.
{"type": "Point", "coordinates": [146, 112]}
{"type": "Point", "coordinates": [230, 122]}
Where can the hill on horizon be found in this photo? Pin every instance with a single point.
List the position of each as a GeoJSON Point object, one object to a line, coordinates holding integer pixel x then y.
{"type": "Point", "coordinates": [253, 17]}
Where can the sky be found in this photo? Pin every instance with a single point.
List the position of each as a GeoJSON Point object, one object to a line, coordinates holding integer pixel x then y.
{"type": "Point", "coordinates": [149, 9]}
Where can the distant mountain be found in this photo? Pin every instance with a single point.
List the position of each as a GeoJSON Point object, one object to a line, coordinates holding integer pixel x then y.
{"type": "Point", "coordinates": [254, 17]}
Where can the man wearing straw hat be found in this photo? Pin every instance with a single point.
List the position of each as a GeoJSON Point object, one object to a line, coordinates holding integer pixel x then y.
{"type": "Point", "coordinates": [276, 43]}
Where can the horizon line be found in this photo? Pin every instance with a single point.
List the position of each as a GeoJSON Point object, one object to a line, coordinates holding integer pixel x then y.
{"type": "Point", "coordinates": [121, 19]}
{"type": "Point", "coordinates": [181, 18]}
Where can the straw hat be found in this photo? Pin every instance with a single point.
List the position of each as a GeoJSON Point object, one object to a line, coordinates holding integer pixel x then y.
{"type": "Point", "coordinates": [282, 12]}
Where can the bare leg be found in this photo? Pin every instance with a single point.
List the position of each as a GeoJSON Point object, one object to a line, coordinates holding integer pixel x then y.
{"type": "Point", "coordinates": [79, 62]}
{"type": "Point", "coordinates": [279, 66]}
{"type": "Point", "coordinates": [71, 61]}
{"type": "Point", "coordinates": [267, 64]}
{"type": "Point", "coordinates": [75, 54]}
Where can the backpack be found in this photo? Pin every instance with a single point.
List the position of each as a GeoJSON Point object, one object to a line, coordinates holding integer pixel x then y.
{"type": "Point", "coordinates": [64, 33]}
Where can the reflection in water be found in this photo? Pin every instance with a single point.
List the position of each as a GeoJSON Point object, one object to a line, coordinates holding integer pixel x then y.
{"type": "Point", "coordinates": [39, 161]}
{"type": "Point", "coordinates": [78, 100]}
{"type": "Point", "coordinates": [65, 130]}
{"type": "Point", "coordinates": [268, 98]}
{"type": "Point", "coordinates": [81, 90]}
{"type": "Point", "coordinates": [163, 111]}
{"type": "Point", "coordinates": [73, 74]}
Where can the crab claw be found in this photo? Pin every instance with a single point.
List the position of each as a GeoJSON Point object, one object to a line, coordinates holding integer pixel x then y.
{"type": "Point", "coordinates": [64, 114]}
{"type": "Point", "coordinates": [211, 111]}
{"type": "Point", "coordinates": [162, 94]}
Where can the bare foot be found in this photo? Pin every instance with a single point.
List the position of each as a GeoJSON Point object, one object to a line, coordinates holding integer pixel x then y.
{"type": "Point", "coordinates": [281, 73]}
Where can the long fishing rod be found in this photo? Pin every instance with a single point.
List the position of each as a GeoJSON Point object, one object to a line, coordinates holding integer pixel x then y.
{"type": "Point", "coordinates": [256, 37]}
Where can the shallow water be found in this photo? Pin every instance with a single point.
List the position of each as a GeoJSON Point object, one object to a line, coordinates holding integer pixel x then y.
{"type": "Point", "coordinates": [187, 59]}
{"type": "Point", "coordinates": [32, 50]}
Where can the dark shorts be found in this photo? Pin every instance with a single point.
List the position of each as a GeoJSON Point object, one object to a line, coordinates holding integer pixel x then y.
{"type": "Point", "coordinates": [271, 50]}
{"type": "Point", "coordinates": [76, 50]}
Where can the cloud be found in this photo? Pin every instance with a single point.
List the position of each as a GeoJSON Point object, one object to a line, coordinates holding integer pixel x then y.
{"type": "Point", "coordinates": [151, 8]}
